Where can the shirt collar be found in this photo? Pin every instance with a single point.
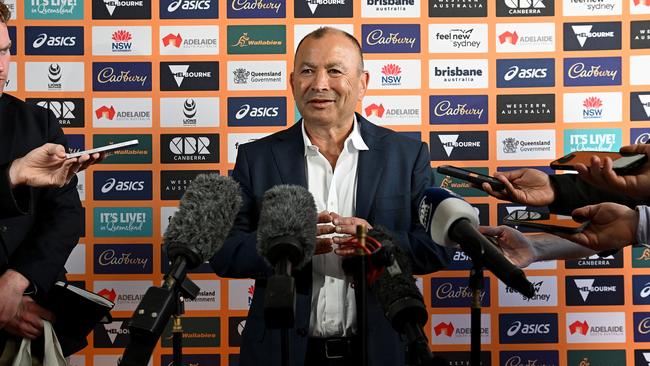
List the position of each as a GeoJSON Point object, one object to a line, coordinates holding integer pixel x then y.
{"type": "Point", "coordinates": [353, 141]}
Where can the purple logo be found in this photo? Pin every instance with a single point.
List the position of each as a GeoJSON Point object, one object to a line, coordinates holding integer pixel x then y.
{"type": "Point", "coordinates": [123, 258]}
{"type": "Point", "coordinates": [639, 135]}
{"type": "Point", "coordinates": [528, 328]}
{"type": "Point", "coordinates": [523, 358]}
{"type": "Point", "coordinates": [391, 38]}
{"type": "Point", "coordinates": [76, 143]}
{"type": "Point", "coordinates": [122, 76]}
{"type": "Point", "coordinates": [458, 109]}
{"type": "Point", "coordinates": [256, 9]}
{"type": "Point", "coordinates": [594, 71]}
{"type": "Point", "coordinates": [450, 292]}
{"type": "Point", "coordinates": [642, 327]}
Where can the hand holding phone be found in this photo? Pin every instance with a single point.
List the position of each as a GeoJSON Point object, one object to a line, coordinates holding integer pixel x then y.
{"type": "Point", "coordinates": [112, 147]}
{"type": "Point", "coordinates": [547, 222]}
{"type": "Point", "coordinates": [471, 176]}
{"type": "Point", "coordinates": [622, 164]}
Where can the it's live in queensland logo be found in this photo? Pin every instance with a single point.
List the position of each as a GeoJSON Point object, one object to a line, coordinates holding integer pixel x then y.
{"type": "Point", "coordinates": [122, 221]}
{"type": "Point", "coordinates": [601, 139]}
{"type": "Point", "coordinates": [390, 38]}
{"type": "Point", "coordinates": [458, 109]}
{"type": "Point", "coordinates": [256, 8]}
{"type": "Point", "coordinates": [54, 9]}
{"type": "Point", "coordinates": [122, 76]}
{"type": "Point", "coordinates": [594, 71]}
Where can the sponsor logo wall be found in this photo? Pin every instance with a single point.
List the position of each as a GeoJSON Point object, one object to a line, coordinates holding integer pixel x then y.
{"type": "Point", "coordinates": [488, 84]}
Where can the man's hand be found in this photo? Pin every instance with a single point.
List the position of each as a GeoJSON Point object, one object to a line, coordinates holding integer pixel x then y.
{"type": "Point", "coordinates": [612, 226]}
{"type": "Point", "coordinates": [516, 246]}
{"type": "Point", "coordinates": [46, 166]}
{"type": "Point", "coordinates": [346, 227]}
{"type": "Point", "coordinates": [324, 229]}
{"type": "Point", "coordinates": [527, 186]}
{"type": "Point", "coordinates": [600, 174]}
{"type": "Point", "coordinates": [28, 323]}
{"type": "Point", "coordinates": [12, 287]}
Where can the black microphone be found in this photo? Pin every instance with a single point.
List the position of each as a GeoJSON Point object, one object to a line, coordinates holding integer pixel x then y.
{"type": "Point", "coordinates": [286, 238]}
{"type": "Point", "coordinates": [400, 298]}
{"type": "Point", "coordinates": [199, 228]}
{"type": "Point", "coordinates": [197, 231]}
{"type": "Point", "coordinates": [451, 221]}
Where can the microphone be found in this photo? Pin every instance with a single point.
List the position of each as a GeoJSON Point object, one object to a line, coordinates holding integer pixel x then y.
{"type": "Point", "coordinates": [199, 228]}
{"type": "Point", "coordinates": [286, 239]}
{"type": "Point", "coordinates": [451, 221]}
{"type": "Point", "coordinates": [400, 299]}
{"type": "Point", "coordinates": [197, 231]}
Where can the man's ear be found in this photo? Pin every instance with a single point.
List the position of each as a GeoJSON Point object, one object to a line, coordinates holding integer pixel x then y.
{"type": "Point", "coordinates": [363, 81]}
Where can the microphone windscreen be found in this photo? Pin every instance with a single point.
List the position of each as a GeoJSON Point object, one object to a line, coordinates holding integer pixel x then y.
{"type": "Point", "coordinates": [288, 211]}
{"type": "Point", "coordinates": [206, 214]}
{"type": "Point", "coordinates": [395, 288]}
{"type": "Point", "coordinates": [439, 208]}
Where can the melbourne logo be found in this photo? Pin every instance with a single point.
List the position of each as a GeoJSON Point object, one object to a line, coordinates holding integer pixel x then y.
{"type": "Point", "coordinates": [323, 9]}
{"type": "Point", "coordinates": [518, 73]}
{"type": "Point", "coordinates": [467, 145]}
{"type": "Point", "coordinates": [602, 290]}
{"type": "Point", "coordinates": [592, 36]}
{"type": "Point", "coordinates": [593, 71]}
{"type": "Point", "coordinates": [525, 8]}
{"type": "Point", "coordinates": [390, 38]}
{"type": "Point", "coordinates": [54, 41]}
{"type": "Point", "coordinates": [122, 76]}
{"type": "Point", "coordinates": [256, 8]}
{"type": "Point", "coordinates": [640, 106]}
{"type": "Point", "coordinates": [189, 75]}
{"type": "Point", "coordinates": [121, 9]}
{"type": "Point", "coordinates": [190, 148]}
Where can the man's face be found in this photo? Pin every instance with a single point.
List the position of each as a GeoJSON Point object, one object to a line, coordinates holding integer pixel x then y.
{"type": "Point", "coordinates": [5, 43]}
{"type": "Point", "coordinates": [326, 81]}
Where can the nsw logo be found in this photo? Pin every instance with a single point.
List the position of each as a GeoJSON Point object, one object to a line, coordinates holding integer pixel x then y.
{"type": "Point", "coordinates": [54, 41]}
{"type": "Point", "coordinates": [122, 76]}
{"type": "Point", "coordinates": [524, 73]}
{"type": "Point", "coordinates": [528, 328]}
{"type": "Point", "coordinates": [458, 109]}
{"type": "Point", "coordinates": [189, 9]}
{"type": "Point", "coordinates": [122, 185]}
{"type": "Point", "coordinates": [595, 71]}
{"type": "Point", "coordinates": [261, 111]}
{"type": "Point", "coordinates": [390, 38]}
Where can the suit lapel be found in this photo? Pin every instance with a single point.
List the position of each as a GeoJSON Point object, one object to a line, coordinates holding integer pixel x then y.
{"type": "Point", "coordinates": [370, 168]}
{"type": "Point", "coordinates": [8, 120]}
{"type": "Point", "coordinates": [289, 156]}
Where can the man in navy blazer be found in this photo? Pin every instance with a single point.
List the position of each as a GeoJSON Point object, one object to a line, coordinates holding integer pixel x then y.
{"type": "Point", "coordinates": [34, 245]}
{"type": "Point", "coordinates": [359, 173]}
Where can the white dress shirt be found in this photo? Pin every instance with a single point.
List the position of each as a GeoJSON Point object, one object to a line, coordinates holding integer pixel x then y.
{"type": "Point", "coordinates": [333, 305]}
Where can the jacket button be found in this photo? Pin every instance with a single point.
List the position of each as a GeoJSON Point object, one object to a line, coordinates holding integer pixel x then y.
{"type": "Point", "coordinates": [3, 228]}
{"type": "Point", "coordinates": [302, 332]}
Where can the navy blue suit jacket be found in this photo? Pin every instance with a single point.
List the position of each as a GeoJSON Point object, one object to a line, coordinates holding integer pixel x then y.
{"type": "Point", "coordinates": [392, 176]}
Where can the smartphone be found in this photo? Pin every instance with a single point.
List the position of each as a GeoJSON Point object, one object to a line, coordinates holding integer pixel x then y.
{"type": "Point", "coordinates": [623, 164]}
{"type": "Point", "coordinates": [544, 221]}
{"type": "Point", "coordinates": [470, 176]}
{"type": "Point", "coordinates": [112, 147]}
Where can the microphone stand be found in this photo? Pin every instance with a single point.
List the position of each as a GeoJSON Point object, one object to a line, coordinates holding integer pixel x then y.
{"type": "Point", "coordinates": [476, 285]}
{"type": "Point", "coordinates": [363, 287]}
{"type": "Point", "coordinates": [153, 313]}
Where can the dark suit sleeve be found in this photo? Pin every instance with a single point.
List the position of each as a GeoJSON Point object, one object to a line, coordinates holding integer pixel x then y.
{"type": "Point", "coordinates": [426, 256]}
{"type": "Point", "coordinates": [238, 257]}
{"type": "Point", "coordinates": [571, 192]}
{"type": "Point", "coordinates": [13, 202]}
{"type": "Point", "coordinates": [42, 255]}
